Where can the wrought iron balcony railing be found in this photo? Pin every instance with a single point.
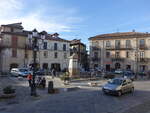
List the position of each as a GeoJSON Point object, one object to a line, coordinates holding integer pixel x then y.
{"type": "Point", "coordinates": [143, 47]}
{"type": "Point", "coordinates": [122, 47]}
{"type": "Point", "coordinates": [143, 60]}
{"type": "Point", "coordinates": [95, 59]}
{"type": "Point", "coordinates": [113, 58]}
{"type": "Point", "coordinates": [95, 48]}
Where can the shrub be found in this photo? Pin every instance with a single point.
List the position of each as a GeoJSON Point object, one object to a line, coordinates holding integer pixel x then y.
{"type": "Point", "coordinates": [64, 76]}
{"type": "Point", "coordinates": [8, 90]}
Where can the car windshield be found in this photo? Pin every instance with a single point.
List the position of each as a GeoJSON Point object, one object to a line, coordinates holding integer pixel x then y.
{"type": "Point", "coordinates": [115, 81]}
{"type": "Point", "coordinates": [23, 70]}
{"type": "Point", "coordinates": [128, 74]}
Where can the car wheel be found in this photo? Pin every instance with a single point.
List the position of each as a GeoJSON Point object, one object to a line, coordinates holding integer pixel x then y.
{"type": "Point", "coordinates": [119, 93]}
{"type": "Point", "coordinates": [132, 90]}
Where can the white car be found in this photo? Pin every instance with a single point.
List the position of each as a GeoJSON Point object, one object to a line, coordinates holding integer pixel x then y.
{"type": "Point", "coordinates": [23, 72]}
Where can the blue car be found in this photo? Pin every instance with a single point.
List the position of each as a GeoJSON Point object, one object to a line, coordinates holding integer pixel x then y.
{"type": "Point", "coordinates": [129, 75]}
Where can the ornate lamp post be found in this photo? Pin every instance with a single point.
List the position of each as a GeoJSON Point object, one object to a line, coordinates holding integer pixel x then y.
{"type": "Point", "coordinates": [33, 37]}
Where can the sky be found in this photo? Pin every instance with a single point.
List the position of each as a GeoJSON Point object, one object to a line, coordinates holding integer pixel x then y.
{"type": "Point", "coordinates": [79, 19]}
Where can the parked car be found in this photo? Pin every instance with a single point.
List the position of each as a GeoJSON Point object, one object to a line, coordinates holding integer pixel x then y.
{"type": "Point", "coordinates": [108, 75]}
{"type": "Point", "coordinates": [129, 75]}
{"type": "Point", "coordinates": [118, 86]}
{"type": "Point", "coordinates": [40, 72]}
{"type": "Point", "coordinates": [118, 73]}
{"type": "Point", "coordinates": [23, 72]}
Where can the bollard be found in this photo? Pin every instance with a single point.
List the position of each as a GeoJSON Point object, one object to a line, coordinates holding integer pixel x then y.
{"type": "Point", "coordinates": [50, 87]}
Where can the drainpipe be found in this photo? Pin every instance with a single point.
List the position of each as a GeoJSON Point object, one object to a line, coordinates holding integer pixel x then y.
{"type": "Point", "coordinates": [103, 52]}
{"type": "Point", "coordinates": [136, 57]}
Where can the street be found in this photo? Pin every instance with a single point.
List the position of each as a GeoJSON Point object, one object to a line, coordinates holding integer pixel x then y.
{"type": "Point", "coordinates": [85, 100]}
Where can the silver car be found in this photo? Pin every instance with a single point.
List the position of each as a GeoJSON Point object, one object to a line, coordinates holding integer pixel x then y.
{"type": "Point", "coordinates": [118, 86]}
{"type": "Point", "coordinates": [23, 72]}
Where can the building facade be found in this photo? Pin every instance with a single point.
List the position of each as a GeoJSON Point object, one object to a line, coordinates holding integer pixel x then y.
{"type": "Point", "coordinates": [16, 49]}
{"type": "Point", "coordinates": [78, 47]}
{"type": "Point", "coordinates": [125, 51]}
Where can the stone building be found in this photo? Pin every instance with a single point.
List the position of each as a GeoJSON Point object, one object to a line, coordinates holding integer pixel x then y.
{"type": "Point", "coordinates": [16, 49]}
{"type": "Point", "coordinates": [78, 47]}
{"type": "Point", "coordinates": [121, 50]}
{"type": "Point", "coordinates": [54, 53]}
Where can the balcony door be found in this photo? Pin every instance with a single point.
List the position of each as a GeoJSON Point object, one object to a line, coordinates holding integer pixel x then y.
{"type": "Point", "coordinates": [117, 66]}
{"type": "Point", "coordinates": [117, 44]}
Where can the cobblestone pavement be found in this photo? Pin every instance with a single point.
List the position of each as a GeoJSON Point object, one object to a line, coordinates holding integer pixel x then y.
{"type": "Point", "coordinates": [86, 100]}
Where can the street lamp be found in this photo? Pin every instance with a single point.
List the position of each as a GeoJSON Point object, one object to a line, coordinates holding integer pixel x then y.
{"type": "Point", "coordinates": [33, 37]}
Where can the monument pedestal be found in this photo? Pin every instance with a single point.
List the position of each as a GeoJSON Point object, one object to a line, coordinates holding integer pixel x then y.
{"type": "Point", "coordinates": [74, 66]}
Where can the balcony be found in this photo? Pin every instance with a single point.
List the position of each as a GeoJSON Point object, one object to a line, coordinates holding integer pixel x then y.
{"type": "Point", "coordinates": [143, 60]}
{"type": "Point", "coordinates": [95, 48]}
{"type": "Point", "coordinates": [122, 47]}
{"type": "Point", "coordinates": [143, 47]}
{"type": "Point", "coordinates": [95, 59]}
{"type": "Point", "coordinates": [28, 47]}
{"type": "Point", "coordinates": [119, 59]}
{"type": "Point", "coordinates": [2, 46]}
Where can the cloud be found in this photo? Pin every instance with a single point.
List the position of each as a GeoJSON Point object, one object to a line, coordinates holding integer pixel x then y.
{"type": "Point", "coordinates": [56, 20]}
{"type": "Point", "coordinates": [8, 6]}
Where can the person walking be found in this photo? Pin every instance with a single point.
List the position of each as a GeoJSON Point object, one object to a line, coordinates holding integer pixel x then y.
{"type": "Point", "coordinates": [148, 74]}
{"type": "Point", "coordinates": [29, 77]}
{"type": "Point", "coordinates": [43, 82]}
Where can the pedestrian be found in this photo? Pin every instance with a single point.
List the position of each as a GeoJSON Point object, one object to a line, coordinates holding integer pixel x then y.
{"type": "Point", "coordinates": [29, 77]}
{"type": "Point", "coordinates": [43, 82]}
{"type": "Point", "coordinates": [148, 74]}
{"type": "Point", "coordinates": [38, 81]}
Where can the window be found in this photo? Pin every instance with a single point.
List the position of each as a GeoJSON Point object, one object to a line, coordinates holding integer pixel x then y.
{"type": "Point", "coordinates": [107, 54]}
{"type": "Point", "coordinates": [55, 46]}
{"type": "Point", "coordinates": [26, 55]}
{"type": "Point", "coordinates": [117, 43]}
{"type": "Point", "coordinates": [11, 29]}
{"type": "Point", "coordinates": [64, 47]}
{"type": "Point", "coordinates": [117, 54]}
{"type": "Point", "coordinates": [127, 54]}
{"type": "Point", "coordinates": [65, 55]}
{"type": "Point", "coordinates": [55, 55]}
{"type": "Point", "coordinates": [45, 45]}
{"type": "Point", "coordinates": [142, 43]}
{"type": "Point", "coordinates": [108, 44]}
{"type": "Point", "coordinates": [14, 52]}
{"type": "Point", "coordinates": [128, 67]}
{"type": "Point", "coordinates": [142, 54]}
{"type": "Point", "coordinates": [143, 67]}
{"type": "Point", "coordinates": [14, 41]}
{"type": "Point", "coordinates": [95, 54]}
{"type": "Point", "coordinates": [128, 43]}
{"type": "Point", "coordinates": [45, 54]}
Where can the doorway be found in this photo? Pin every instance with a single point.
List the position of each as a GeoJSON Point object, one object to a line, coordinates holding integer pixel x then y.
{"type": "Point", "coordinates": [45, 65]}
{"type": "Point", "coordinates": [107, 67]}
{"type": "Point", "coordinates": [14, 65]}
{"type": "Point", "coordinates": [56, 66]}
{"type": "Point", "coordinates": [117, 66]}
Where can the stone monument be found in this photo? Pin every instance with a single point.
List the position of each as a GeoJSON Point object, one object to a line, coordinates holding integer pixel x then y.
{"type": "Point", "coordinates": [74, 66]}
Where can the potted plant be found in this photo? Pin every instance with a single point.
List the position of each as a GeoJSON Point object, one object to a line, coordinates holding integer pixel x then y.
{"type": "Point", "coordinates": [8, 92]}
